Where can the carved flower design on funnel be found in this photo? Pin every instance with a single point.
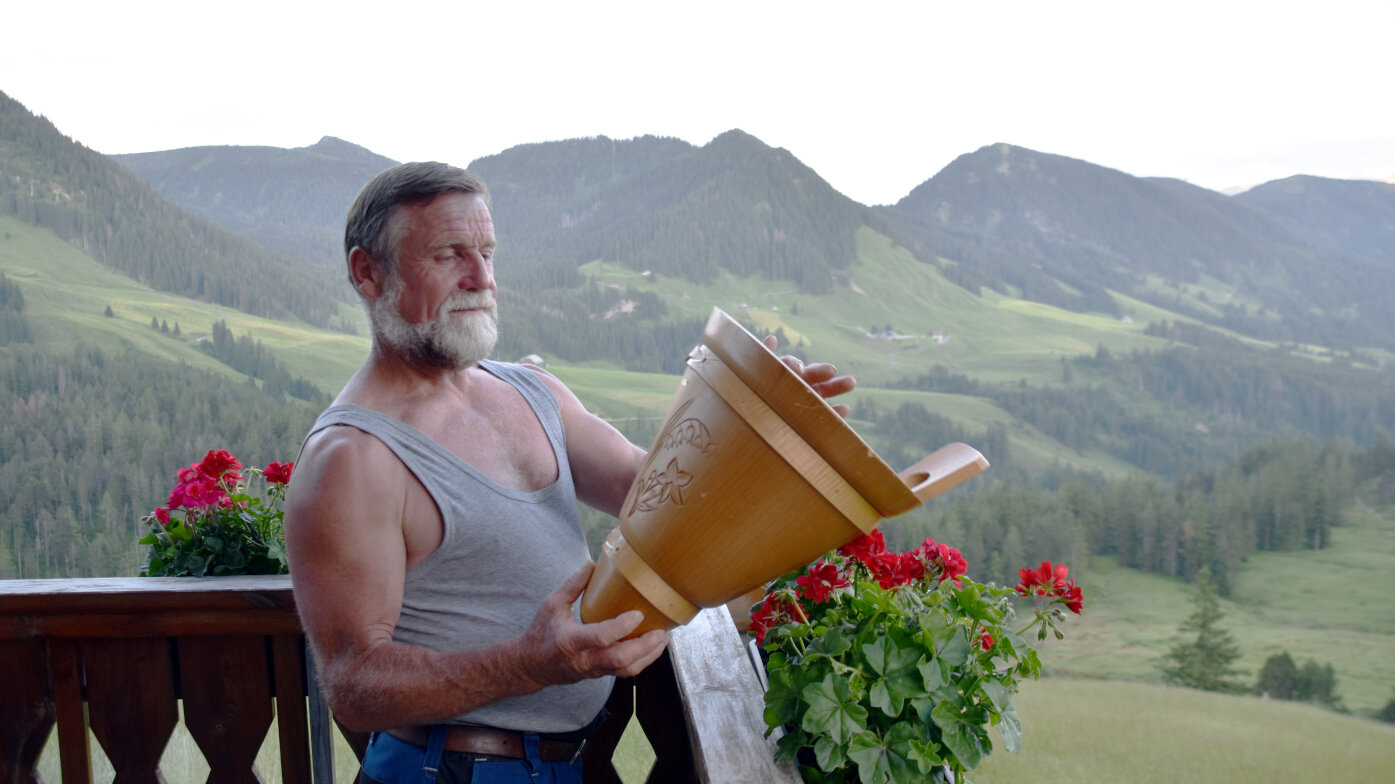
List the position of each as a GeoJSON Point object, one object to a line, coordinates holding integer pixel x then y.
{"type": "Point", "coordinates": [663, 486]}
{"type": "Point", "coordinates": [685, 439]}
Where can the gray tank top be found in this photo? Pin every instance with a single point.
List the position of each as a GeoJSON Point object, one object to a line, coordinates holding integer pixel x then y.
{"type": "Point", "coordinates": [503, 551]}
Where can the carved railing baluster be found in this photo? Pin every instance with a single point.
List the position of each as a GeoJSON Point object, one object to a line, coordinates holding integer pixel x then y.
{"type": "Point", "coordinates": [226, 686]}
{"type": "Point", "coordinates": [661, 717]}
{"type": "Point", "coordinates": [74, 755]}
{"type": "Point", "coordinates": [131, 702]}
{"type": "Point", "coordinates": [596, 765]}
{"type": "Point", "coordinates": [26, 703]}
{"type": "Point", "coordinates": [292, 724]}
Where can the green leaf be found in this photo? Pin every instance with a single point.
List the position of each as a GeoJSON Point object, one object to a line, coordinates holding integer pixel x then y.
{"type": "Point", "coordinates": [973, 605]}
{"type": "Point", "coordinates": [789, 745]}
{"type": "Point", "coordinates": [830, 755]}
{"type": "Point", "coordinates": [234, 558]}
{"type": "Point", "coordinates": [833, 711]}
{"type": "Point", "coordinates": [889, 758]}
{"type": "Point", "coordinates": [956, 650]}
{"type": "Point", "coordinates": [896, 663]}
{"type": "Point", "coordinates": [1010, 730]}
{"type": "Point", "coordinates": [833, 644]}
{"type": "Point", "coordinates": [782, 701]}
{"type": "Point", "coordinates": [964, 735]}
{"type": "Point", "coordinates": [926, 755]}
{"type": "Point", "coordinates": [998, 695]}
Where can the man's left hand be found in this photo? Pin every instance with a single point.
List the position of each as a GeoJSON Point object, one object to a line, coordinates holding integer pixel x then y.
{"type": "Point", "coordinates": [822, 376]}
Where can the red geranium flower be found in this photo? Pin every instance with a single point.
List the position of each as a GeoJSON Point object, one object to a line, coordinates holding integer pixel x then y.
{"type": "Point", "coordinates": [197, 494]}
{"type": "Point", "coordinates": [941, 561]}
{"type": "Point", "coordinates": [779, 607]}
{"type": "Point", "coordinates": [865, 547]}
{"type": "Point", "coordinates": [1048, 581]}
{"type": "Point", "coordinates": [820, 583]}
{"type": "Point", "coordinates": [896, 569]}
{"type": "Point", "coordinates": [1074, 600]}
{"type": "Point", "coordinates": [217, 463]}
{"type": "Point", "coordinates": [162, 514]}
{"type": "Point", "coordinates": [986, 640]}
{"type": "Point", "coordinates": [278, 473]}
{"type": "Point", "coordinates": [1044, 580]}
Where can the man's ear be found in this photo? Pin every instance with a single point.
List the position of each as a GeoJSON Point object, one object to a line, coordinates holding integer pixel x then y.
{"type": "Point", "coordinates": [365, 272]}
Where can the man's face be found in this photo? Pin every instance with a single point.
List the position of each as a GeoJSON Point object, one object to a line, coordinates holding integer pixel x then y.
{"type": "Point", "coordinates": [438, 308]}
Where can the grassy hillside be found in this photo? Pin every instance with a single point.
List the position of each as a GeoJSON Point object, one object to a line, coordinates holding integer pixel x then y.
{"type": "Point", "coordinates": [66, 294]}
{"type": "Point", "coordinates": [1332, 606]}
{"type": "Point", "coordinates": [1077, 731]}
{"type": "Point", "coordinates": [993, 337]}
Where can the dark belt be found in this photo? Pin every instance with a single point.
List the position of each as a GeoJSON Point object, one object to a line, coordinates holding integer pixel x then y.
{"type": "Point", "coordinates": [498, 743]}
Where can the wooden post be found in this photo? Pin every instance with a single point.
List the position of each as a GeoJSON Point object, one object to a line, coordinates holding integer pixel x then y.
{"type": "Point", "coordinates": [723, 703]}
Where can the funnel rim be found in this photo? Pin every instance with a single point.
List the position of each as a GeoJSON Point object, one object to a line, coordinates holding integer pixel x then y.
{"type": "Point", "coordinates": [810, 416]}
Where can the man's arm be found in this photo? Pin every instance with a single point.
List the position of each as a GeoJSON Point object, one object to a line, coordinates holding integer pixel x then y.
{"type": "Point", "coordinates": [604, 462]}
{"type": "Point", "coordinates": [345, 537]}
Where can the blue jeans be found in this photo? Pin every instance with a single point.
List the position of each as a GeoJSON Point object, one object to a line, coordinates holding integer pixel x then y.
{"type": "Point", "coordinates": [391, 760]}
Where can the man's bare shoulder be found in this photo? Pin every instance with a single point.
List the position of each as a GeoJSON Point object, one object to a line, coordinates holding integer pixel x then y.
{"type": "Point", "coordinates": [341, 459]}
{"type": "Point", "coordinates": [341, 442]}
{"type": "Point", "coordinates": [564, 395]}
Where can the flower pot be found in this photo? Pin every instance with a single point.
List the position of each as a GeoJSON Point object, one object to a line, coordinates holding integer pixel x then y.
{"type": "Point", "coordinates": [751, 475]}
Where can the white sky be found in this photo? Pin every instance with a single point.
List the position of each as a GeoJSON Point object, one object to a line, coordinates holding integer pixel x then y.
{"type": "Point", "coordinates": [875, 96]}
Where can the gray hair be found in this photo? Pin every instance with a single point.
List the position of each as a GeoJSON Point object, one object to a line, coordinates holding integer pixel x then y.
{"type": "Point", "coordinates": [373, 224]}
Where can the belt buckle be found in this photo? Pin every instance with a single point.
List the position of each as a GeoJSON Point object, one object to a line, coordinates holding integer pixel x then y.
{"type": "Point", "coordinates": [580, 747]}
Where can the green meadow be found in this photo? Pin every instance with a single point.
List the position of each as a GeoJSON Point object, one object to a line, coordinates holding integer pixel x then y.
{"type": "Point", "coordinates": [1332, 606]}
{"type": "Point", "coordinates": [66, 295]}
{"type": "Point", "coordinates": [1111, 732]}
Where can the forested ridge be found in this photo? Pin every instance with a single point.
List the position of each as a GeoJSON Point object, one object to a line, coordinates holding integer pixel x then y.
{"type": "Point", "coordinates": [1282, 495]}
{"type": "Point", "coordinates": [1192, 404]}
{"type": "Point", "coordinates": [91, 440]}
{"type": "Point", "coordinates": [293, 201]}
{"type": "Point", "coordinates": [48, 180]}
{"type": "Point", "coordinates": [13, 326]}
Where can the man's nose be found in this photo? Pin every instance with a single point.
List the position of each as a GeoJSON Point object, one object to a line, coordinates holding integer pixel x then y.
{"type": "Point", "coordinates": [476, 272]}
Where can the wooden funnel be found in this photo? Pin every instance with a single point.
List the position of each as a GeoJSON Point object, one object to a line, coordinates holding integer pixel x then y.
{"type": "Point", "coordinates": [752, 475]}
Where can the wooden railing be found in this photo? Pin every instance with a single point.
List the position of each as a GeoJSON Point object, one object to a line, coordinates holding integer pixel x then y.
{"type": "Point", "coordinates": [115, 659]}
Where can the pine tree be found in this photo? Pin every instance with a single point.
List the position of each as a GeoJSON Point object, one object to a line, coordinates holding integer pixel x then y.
{"type": "Point", "coordinates": [1278, 678]}
{"type": "Point", "coordinates": [1387, 714]}
{"type": "Point", "coordinates": [1205, 661]}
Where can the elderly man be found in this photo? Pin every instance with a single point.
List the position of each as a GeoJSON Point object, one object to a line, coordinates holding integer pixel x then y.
{"type": "Point", "coordinates": [431, 522]}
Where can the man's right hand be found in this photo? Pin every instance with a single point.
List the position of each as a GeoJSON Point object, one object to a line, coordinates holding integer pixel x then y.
{"type": "Point", "coordinates": [557, 648]}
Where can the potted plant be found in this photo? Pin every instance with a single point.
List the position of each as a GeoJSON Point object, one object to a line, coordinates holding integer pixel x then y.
{"type": "Point", "coordinates": [892, 667]}
{"type": "Point", "coordinates": [214, 524]}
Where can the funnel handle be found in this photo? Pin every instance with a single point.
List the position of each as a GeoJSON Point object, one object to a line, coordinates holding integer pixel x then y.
{"type": "Point", "coordinates": [942, 469]}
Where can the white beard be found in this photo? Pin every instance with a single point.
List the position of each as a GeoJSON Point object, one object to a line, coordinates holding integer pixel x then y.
{"type": "Point", "coordinates": [450, 341]}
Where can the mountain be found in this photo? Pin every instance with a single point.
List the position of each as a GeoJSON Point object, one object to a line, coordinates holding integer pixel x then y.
{"type": "Point", "coordinates": [668, 207]}
{"type": "Point", "coordinates": [292, 201]}
{"type": "Point", "coordinates": [1038, 222]}
{"type": "Point", "coordinates": [1354, 216]}
{"type": "Point", "coordinates": [50, 181]}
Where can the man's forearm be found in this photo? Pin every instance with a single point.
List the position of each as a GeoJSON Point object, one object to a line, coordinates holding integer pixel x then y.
{"type": "Point", "coordinates": [397, 685]}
